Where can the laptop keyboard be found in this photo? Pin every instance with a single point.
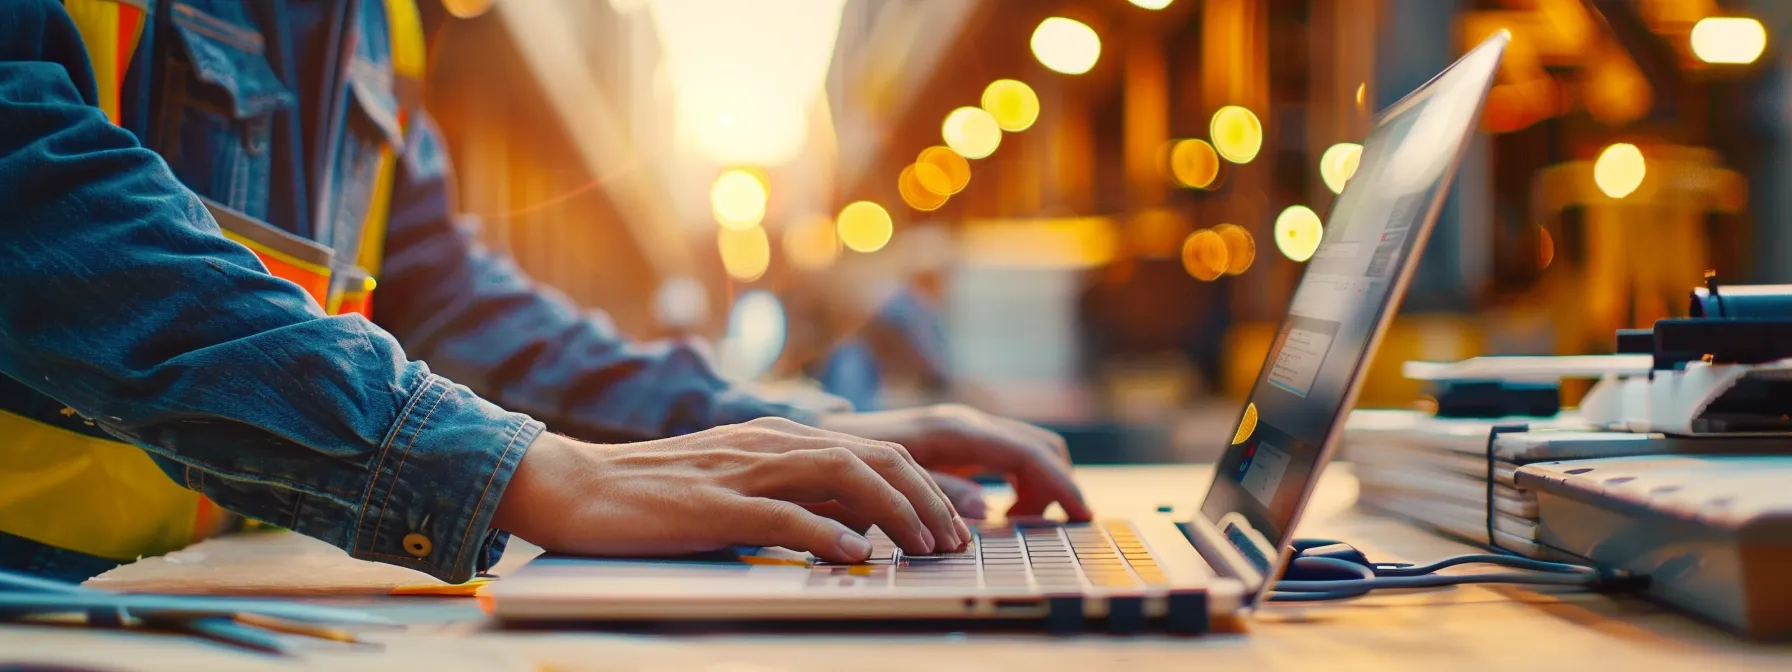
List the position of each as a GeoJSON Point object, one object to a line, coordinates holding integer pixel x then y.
{"type": "Point", "coordinates": [1107, 554]}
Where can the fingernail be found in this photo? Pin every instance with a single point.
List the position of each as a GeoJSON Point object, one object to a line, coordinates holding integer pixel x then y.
{"type": "Point", "coordinates": [927, 538]}
{"type": "Point", "coordinates": [855, 546]}
{"type": "Point", "coordinates": [964, 531]}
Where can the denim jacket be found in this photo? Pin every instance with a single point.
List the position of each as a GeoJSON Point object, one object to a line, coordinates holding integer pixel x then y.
{"type": "Point", "coordinates": [120, 300]}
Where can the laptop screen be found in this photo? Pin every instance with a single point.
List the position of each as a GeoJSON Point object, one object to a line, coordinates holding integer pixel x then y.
{"type": "Point", "coordinates": [1352, 283]}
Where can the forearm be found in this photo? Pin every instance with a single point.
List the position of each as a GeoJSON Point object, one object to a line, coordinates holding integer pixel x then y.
{"type": "Point", "coordinates": [123, 301]}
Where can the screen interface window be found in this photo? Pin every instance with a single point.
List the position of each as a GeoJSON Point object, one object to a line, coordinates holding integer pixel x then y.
{"type": "Point", "coordinates": [1348, 283]}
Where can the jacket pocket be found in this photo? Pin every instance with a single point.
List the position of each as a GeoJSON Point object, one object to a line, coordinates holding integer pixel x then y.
{"type": "Point", "coordinates": [218, 104]}
{"type": "Point", "coordinates": [371, 134]}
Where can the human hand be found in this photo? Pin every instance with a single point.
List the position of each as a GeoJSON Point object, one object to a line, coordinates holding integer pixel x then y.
{"type": "Point", "coordinates": [769, 482]}
{"type": "Point", "coordinates": [957, 442]}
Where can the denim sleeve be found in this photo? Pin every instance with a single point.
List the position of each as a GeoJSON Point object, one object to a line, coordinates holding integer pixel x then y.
{"type": "Point", "coordinates": [120, 298]}
{"type": "Point", "coordinates": [474, 316]}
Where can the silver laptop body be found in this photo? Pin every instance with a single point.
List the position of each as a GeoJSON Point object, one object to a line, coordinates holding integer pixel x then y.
{"type": "Point", "coordinates": [1131, 574]}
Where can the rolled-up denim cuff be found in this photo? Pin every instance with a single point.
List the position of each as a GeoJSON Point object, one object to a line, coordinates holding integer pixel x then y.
{"type": "Point", "coordinates": [437, 483]}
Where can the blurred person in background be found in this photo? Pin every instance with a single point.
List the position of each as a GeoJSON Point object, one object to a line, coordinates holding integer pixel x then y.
{"type": "Point", "coordinates": [198, 199]}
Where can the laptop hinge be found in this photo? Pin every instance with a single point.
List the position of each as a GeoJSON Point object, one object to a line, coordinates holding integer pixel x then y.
{"type": "Point", "coordinates": [1225, 559]}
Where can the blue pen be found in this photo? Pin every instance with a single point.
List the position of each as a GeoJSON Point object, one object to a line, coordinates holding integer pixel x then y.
{"type": "Point", "coordinates": [149, 605]}
{"type": "Point", "coordinates": [30, 593]}
{"type": "Point", "coordinates": [26, 583]}
{"type": "Point", "coordinates": [223, 630]}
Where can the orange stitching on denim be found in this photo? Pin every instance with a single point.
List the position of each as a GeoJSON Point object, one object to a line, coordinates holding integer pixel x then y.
{"type": "Point", "coordinates": [381, 520]}
{"type": "Point", "coordinates": [488, 487]}
{"type": "Point", "coordinates": [429, 384]}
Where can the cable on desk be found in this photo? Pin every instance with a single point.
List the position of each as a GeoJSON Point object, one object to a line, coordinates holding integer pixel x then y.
{"type": "Point", "coordinates": [1317, 591]}
{"type": "Point", "coordinates": [1327, 570]}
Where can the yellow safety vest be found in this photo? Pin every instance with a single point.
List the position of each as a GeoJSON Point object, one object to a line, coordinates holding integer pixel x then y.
{"type": "Point", "coordinates": [106, 498]}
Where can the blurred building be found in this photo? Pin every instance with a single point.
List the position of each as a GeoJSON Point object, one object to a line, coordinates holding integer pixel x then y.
{"type": "Point", "coordinates": [1091, 212]}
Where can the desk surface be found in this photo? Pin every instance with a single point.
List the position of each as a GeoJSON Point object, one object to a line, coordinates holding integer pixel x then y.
{"type": "Point", "coordinates": [1469, 627]}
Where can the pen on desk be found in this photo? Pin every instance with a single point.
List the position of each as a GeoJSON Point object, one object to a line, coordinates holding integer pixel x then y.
{"type": "Point", "coordinates": [223, 630]}
{"type": "Point", "coordinates": [26, 583]}
{"type": "Point", "coordinates": [306, 629]}
{"type": "Point", "coordinates": [150, 605]}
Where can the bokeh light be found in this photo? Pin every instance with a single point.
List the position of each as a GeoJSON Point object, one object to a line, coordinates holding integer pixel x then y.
{"type": "Point", "coordinates": [933, 179]}
{"type": "Point", "coordinates": [756, 334]}
{"type": "Point", "coordinates": [1728, 39]}
{"type": "Point", "coordinates": [746, 253]}
{"type": "Point", "coordinates": [1012, 103]}
{"type": "Point", "coordinates": [1298, 231]}
{"type": "Point", "coordinates": [1338, 163]}
{"type": "Point", "coordinates": [1204, 255]}
{"type": "Point", "coordinates": [1237, 134]}
{"type": "Point", "coordinates": [681, 302]}
{"type": "Point", "coordinates": [916, 195]}
{"type": "Point", "coordinates": [955, 171]}
{"type": "Point", "coordinates": [744, 76]}
{"type": "Point", "coordinates": [971, 132]}
{"type": "Point", "coordinates": [811, 245]}
{"type": "Point", "coordinates": [737, 199]}
{"type": "Point", "coordinates": [1066, 46]}
{"type": "Point", "coordinates": [467, 9]}
{"type": "Point", "coordinates": [864, 226]}
{"type": "Point", "coordinates": [1241, 247]}
{"type": "Point", "coordinates": [1194, 163]}
{"type": "Point", "coordinates": [1619, 170]}
{"type": "Point", "coordinates": [1152, 4]}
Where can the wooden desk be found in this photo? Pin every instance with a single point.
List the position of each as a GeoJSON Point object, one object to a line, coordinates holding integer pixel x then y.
{"type": "Point", "coordinates": [1463, 628]}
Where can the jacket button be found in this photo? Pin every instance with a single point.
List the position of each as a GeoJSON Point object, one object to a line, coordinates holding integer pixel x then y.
{"type": "Point", "coordinates": [417, 544]}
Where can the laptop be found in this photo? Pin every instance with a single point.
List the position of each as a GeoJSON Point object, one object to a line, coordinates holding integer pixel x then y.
{"type": "Point", "coordinates": [1131, 574]}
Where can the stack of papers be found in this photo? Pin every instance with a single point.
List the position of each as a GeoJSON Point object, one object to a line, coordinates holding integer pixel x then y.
{"type": "Point", "coordinates": [1435, 471]}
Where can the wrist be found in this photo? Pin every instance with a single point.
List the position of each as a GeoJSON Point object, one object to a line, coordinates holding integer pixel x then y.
{"type": "Point", "coordinates": [547, 456]}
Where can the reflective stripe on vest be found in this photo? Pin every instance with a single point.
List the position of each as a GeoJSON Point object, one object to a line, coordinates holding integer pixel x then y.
{"type": "Point", "coordinates": [408, 53]}
{"type": "Point", "coordinates": [110, 30]}
{"type": "Point", "coordinates": [109, 499]}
